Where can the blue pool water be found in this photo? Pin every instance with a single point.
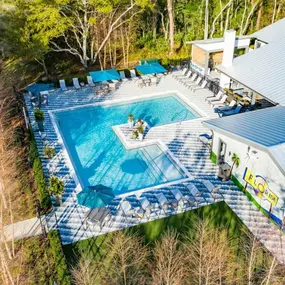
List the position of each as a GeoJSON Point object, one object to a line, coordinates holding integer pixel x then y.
{"type": "Point", "coordinates": [99, 157]}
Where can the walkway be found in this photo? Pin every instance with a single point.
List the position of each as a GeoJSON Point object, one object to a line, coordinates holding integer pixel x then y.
{"type": "Point", "coordinates": [182, 141]}
{"type": "Point", "coordinates": [23, 229]}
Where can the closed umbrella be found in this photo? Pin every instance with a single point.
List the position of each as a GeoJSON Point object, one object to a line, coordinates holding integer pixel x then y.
{"type": "Point", "coordinates": [95, 196]}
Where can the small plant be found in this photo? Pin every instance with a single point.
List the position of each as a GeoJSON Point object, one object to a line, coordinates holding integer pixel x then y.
{"type": "Point", "coordinates": [140, 129]}
{"type": "Point", "coordinates": [236, 161]}
{"type": "Point", "coordinates": [39, 115]}
{"type": "Point", "coordinates": [56, 186]}
{"type": "Point", "coordinates": [131, 118]}
{"type": "Point", "coordinates": [49, 152]}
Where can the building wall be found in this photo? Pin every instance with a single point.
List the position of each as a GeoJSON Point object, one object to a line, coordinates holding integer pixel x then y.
{"type": "Point", "coordinates": [198, 56]}
{"type": "Point", "coordinates": [218, 57]}
{"type": "Point", "coordinates": [259, 163]}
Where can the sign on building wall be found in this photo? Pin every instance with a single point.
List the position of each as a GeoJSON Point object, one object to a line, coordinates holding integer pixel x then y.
{"type": "Point", "coordinates": [260, 186]}
{"type": "Point", "coordinates": [197, 67]}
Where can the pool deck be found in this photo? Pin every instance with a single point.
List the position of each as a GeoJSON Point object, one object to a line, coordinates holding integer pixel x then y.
{"type": "Point", "coordinates": [182, 141]}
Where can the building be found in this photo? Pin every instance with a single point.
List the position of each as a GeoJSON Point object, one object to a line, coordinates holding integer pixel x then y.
{"type": "Point", "coordinates": [214, 49]}
{"type": "Point", "coordinates": [259, 73]}
{"type": "Point", "coordinates": [258, 139]}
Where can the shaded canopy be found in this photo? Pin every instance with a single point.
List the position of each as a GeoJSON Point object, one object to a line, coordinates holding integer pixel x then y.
{"type": "Point", "coordinates": [103, 75]}
{"type": "Point", "coordinates": [150, 68]}
{"type": "Point", "coordinates": [95, 196]}
{"type": "Point", "coordinates": [38, 87]}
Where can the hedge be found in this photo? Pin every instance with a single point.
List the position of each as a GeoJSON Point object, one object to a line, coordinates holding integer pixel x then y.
{"type": "Point", "coordinates": [40, 181]}
{"type": "Point", "coordinates": [61, 270]}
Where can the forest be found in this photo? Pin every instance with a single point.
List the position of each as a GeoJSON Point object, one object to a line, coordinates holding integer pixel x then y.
{"type": "Point", "coordinates": [95, 34]}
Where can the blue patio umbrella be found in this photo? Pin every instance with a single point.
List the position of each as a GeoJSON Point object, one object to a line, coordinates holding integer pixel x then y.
{"type": "Point", "coordinates": [38, 87]}
{"type": "Point", "coordinates": [150, 68]}
{"type": "Point", "coordinates": [95, 196]}
{"type": "Point", "coordinates": [103, 75]}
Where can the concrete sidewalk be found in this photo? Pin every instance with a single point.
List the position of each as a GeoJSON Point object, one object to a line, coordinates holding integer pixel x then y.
{"type": "Point", "coordinates": [24, 229]}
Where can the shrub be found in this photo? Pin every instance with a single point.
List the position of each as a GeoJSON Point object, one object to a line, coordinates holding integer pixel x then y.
{"type": "Point", "coordinates": [49, 152]}
{"type": "Point", "coordinates": [60, 266]}
{"type": "Point", "coordinates": [56, 186]}
{"type": "Point", "coordinates": [39, 115]}
{"type": "Point", "coordinates": [38, 173]}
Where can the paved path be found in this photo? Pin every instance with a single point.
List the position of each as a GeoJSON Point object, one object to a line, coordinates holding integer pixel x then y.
{"type": "Point", "coordinates": [23, 229]}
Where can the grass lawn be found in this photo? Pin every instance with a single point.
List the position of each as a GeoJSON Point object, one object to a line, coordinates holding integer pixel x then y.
{"type": "Point", "coordinates": [220, 215]}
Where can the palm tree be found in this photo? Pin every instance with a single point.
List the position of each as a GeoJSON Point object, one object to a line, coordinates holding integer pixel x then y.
{"type": "Point", "coordinates": [236, 161]}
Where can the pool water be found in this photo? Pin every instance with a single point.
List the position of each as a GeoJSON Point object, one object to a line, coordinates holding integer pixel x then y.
{"type": "Point", "coordinates": [98, 155]}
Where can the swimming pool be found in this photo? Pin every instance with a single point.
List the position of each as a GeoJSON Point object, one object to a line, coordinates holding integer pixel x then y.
{"type": "Point", "coordinates": [98, 155]}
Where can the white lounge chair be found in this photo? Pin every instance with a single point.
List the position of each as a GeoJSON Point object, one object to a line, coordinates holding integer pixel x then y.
{"type": "Point", "coordinates": [76, 83]}
{"type": "Point", "coordinates": [232, 103]}
{"type": "Point", "coordinates": [219, 102]}
{"type": "Point", "coordinates": [195, 83]}
{"type": "Point", "coordinates": [187, 76]}
{"type": "Point", "coordinates": [112, 86]}
{"type": "Point", "coordinates": [215, 97]}
{"type": "Point", "coordinates": [181, 73]}
{"type": "Point", "coordinates": [162, 201]}
{"type": "Point", "coordinates": [62, 85]}
{"type": "Point", "coordinates": [191, 79]}
{"type": "Point", "coordinates": [144, 209]}
{"type": "Point", "coordinates": [153, 81]}
{"type": "Point", "coordinates": [126, 208]}
{"type": "Point", "coordinates": [123, 76]}
{"type": "Point", "coordinates": [203, 85]}
{"type": "Point", "coordinates": [211, 188]}
{"type": "Point", "coordinates": [90, 81]}
{"type": "Point", "coordinates": [133, 74]}
{"type": "Point", "coordinates": [194, 191]}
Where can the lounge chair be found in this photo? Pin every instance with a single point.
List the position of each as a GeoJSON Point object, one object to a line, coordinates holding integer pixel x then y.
{"type": "Point", "coordinates": [111, 86]}
{"type": "Point", "coordinates": [205, 139]}
{"type": "Point", "coordinates": [223, 105]}
{"type": "Point", "coordinates": [144, 209]}
{"type": "Point", "coordinates": [90, 81]}
{"type": "Point", "coordinates": [126, 208]}
{"type": "Point", "coordinates": [219, 102]}
{"type": "Point", "coordinates": [211, 188]}
{"type": "Point", "coordinates": [195, 83]}
{"type": "Point", "coordinates": [226, 108]}
{"type": "Point", "coordinates": [218, 96]}
{"type": "Point", "coordinates": [190, 78]}
{"type": "Point", "coordinates": [153, 81]}
{"type": "Point", "coordinates": [62, 85]}
{"type": "Point", "coordinates": [203, 85]}
{"type": "Point", "coordinates": [98, 216]}
{"type": "Point", "coordinates": [133, 74]}
{"type": "Point", "coordinates": [123, 76]}
{"type": "Point", "coordinates": [76, 83]}
{"type": "Point", "coordinates": [181, 73]}
{"type": "Point", "coordinates": [194, 191]}
{"type": "Point", "coordinates": [231, 112]}
{"type": "Point", "coordinates": [162, 201]}
{"type": "Point", "coordinates": [186, 76]}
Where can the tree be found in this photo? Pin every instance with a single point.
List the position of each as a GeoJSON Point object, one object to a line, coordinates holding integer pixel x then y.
{"type": "Point", "coordinates": [75, 27]}
{"type": "Point", "coordinates": [169, 266]}
{"type": "Point", "coordinates": [210, 255]}
{"type": "Point", "coordinates": [171, 25]}
{"type": "Point", "coordinates": [236, 161]}
{"type": "Point", "coordinates": [125, 261]}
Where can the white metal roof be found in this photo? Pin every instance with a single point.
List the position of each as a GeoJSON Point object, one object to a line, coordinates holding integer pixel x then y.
{"type": "Point", "coordinates": [271, 33]}
{"type": "Point", "coordinates": [212, 45]}
{"type": "Point", "coordinates": [263, 129]}
{"type": "Point", "coordinates": [262, 70]}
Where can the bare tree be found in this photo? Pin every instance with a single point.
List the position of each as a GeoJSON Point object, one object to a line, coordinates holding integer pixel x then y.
{"type": "Point", "coordinates": [210, 255]}
{"type": "Point", "coordinates": [170, 267]}
{"type": "Point", "coordinates": [206, 24]}
{"type": "Point", "coordinates": [126, 260]}
{"type": "Point", "coordinates": [86, 271]}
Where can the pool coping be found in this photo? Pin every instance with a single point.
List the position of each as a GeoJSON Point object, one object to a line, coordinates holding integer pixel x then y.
{"type": "Point", "coordinates": [111, 102]}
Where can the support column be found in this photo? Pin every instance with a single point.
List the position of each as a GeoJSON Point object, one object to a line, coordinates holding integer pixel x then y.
{"type": "Point", "coordinates": [253, 98]}
{"type": "Point", "coordinates": [206, 67]}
